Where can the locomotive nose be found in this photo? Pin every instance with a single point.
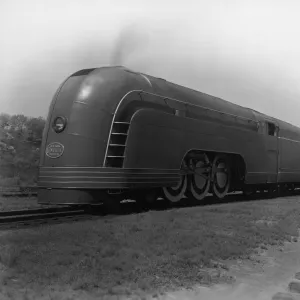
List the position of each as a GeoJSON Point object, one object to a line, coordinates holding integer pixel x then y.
{"type": "Point", "coordinates": [78, 126]}
{"type": "Point", "coordinates": [83, 140]}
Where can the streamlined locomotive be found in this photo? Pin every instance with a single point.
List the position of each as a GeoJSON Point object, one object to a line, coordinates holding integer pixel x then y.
{"type": "Point", "coordinates": [114, 134]}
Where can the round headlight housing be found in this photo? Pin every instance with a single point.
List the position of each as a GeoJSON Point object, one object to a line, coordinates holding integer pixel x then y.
{"type": "Point", "coordinates": [59, 124]}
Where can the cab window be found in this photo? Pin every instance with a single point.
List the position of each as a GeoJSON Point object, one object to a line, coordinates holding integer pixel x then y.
{"type": "Point", "coordinates": [271, 129]}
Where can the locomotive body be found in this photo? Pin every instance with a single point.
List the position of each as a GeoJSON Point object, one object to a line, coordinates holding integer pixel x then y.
{"type": "Point", "coordinates": [111, 131]}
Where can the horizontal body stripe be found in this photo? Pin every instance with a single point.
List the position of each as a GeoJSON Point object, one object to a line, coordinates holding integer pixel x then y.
{"type": "Point", "coordinates": [106, 170]}
{"type": "Point", "coordinates": [105, 185]}
{"type": "Point", "coordinates": [262, 173]}
{"type": "Point", "coordinates": [104, 178]}
{"type": "Point", "coordinates": [115, 177]}
{"type": "Point", "coordinates": [283, 138]}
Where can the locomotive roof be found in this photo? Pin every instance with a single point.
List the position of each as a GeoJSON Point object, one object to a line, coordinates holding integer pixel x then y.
{"type": "Point", "coordinates": [283, 125]}
{"type": "Point", "coordinates": [127, 80]}
{"type": "Point", "coordinates": [122, 79]}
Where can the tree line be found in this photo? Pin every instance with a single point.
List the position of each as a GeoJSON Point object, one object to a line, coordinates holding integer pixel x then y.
{"type": "Point", "coordinates": [20, 141]}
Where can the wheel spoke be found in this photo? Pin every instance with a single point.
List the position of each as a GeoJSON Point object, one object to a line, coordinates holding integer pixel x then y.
{"type": "Point", "coordinates": [176, 193]}
{"type": "Point", "coordinates": [202, 175]}
{"type": "Point", "coordinates": [199, 179]}
{"type": "Point", "coordinates": [221, 176]}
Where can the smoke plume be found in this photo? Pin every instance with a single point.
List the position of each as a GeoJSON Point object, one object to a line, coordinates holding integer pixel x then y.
{"type": "Point", "coordinates": [130, 40]}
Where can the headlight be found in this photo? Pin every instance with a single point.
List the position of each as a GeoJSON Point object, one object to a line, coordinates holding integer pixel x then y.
{"type": "Point", "coordinates": [59, 124]}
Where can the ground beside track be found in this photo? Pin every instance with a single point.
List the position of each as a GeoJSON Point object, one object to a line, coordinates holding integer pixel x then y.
{"type": "Point", "coordinates": [142, 254]}
{"type": "Point", "coordinates": [19, 203]}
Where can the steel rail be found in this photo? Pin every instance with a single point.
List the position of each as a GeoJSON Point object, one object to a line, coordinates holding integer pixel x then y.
{"type": "Point", "coordinates": [38, 211]}
{"type": "Point", "coordinates": [14, 217]}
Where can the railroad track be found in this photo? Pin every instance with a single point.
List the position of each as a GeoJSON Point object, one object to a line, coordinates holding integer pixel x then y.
{"type": "Point", "coordinates": [21, 218]}
{"type": "Point", "coordinates": [18, 191]}
{"type": "Point", "coordinates": [36, 217]}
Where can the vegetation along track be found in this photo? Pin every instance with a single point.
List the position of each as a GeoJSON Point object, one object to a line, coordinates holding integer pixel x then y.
{"type": "Point", "coordinates": [19, 218]}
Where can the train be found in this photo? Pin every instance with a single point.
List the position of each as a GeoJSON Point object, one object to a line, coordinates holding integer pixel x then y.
{"type": "Point", "coordinates": [113, 134]}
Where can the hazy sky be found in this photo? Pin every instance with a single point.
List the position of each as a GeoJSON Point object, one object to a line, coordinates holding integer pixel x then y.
{"type": "Point", "coordinates": [247, 52]}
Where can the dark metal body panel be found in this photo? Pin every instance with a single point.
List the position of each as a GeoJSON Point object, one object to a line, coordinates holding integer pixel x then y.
{"type": "Point", "coordinates": [283, 150]}
{"type": "Point", "coordinates": [289, 153]}
{"type": "Point", "coordinates": [165, 122]}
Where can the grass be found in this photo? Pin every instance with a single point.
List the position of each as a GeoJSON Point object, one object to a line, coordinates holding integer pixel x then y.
{"type": "Point", "coordinates": [9, 181]}
{"type": "Point", "coordinates": [145, 252]}
{"type": "Point", "coordinates": [18, 203]}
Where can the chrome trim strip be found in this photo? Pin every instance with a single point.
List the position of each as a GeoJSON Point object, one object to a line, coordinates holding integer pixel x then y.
{"type": "Point", "coordinates": [115, 170]}
{"type": "Point", "coordinates": [262, 173]}
{"type": "Point", "coordinates": [283, 138]}
{"type": "Point", "coordinates": [108, 182]}
{"type": "Point", "coordinates": [146, 78]}
{"type": "Point", "coordinates": [116, 173]}
{"type": "Point", "coordinates": [103, 177]}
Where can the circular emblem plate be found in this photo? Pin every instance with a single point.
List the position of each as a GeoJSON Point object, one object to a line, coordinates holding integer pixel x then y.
{"type": "Point", "coordinates": [55, 150]}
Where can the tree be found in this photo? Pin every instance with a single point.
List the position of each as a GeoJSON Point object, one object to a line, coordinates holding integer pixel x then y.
{"type": "Point", "coordinates": [35, 127]}
{"type": "Point", "coordinates": [20, 136]}
{"type": "Point", "coordinates": [4, 122]}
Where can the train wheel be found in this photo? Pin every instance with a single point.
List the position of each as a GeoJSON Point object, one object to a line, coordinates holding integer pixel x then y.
{"type": "Point", "coordinates": [199, 181]}
{"type": "Point", "coordinates": [221, 176]}
{"type": "Point", "coordinates": [175, 193]}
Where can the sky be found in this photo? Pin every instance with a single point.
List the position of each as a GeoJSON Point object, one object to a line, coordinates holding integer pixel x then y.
{"type": "Point", "coordinates": [246, 52]}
